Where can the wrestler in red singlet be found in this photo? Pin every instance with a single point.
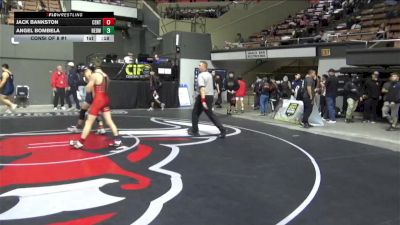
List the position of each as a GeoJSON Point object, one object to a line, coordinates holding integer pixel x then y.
{"type": "Point", "coordinates": [98, 85]}
{"type": "Point", "coordinates": [101, 101]}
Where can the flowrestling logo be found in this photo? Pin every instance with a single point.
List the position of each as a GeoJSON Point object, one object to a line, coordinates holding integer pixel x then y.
{"type": "Point", "coordinates": [44, 181]}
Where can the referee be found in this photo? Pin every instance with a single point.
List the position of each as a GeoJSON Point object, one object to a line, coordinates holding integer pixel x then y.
{"type": "Point", "coordinates": [204, 102]}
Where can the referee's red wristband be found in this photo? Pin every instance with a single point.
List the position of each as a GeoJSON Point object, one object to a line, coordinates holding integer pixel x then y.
{"type": "Point", "coordinates": [203, 100]}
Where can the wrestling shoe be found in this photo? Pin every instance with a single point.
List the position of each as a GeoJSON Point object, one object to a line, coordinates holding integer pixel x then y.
{"type": "Point", "coordinates": [115, 143]}
{"type": "Point", "coordinates": [192, 133]}
{"type": "Point", "coordinates": [101, 131]}
{"type": "Point", "coordinates": [74, 129]}
{"type": "Point", "coordinates": [222, 134]}
{"type": "Point", "coordinates": [76, 144]}
{"type": "Point", "coordinates": [13, 107]}
{"type": "Point", "coordinates": [162, 106]}
{"type": "Point", "coordinates": [150, 109]}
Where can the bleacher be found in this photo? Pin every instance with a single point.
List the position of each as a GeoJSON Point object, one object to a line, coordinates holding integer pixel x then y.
{"type": "Point", "coordinates": [321, 17]}
{"type": "Point", "coordinates": [32, 6]}
{"type": "Point", "coordinates": [371, 20]}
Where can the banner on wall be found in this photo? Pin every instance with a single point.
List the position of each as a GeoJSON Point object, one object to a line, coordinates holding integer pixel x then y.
{"type": "Point", "coordinates": [292, 112]}
{"type": "Point", "coordinates": [184, 97]}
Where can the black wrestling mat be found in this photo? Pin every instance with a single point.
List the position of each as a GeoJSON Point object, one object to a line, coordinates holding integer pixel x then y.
{"type": "Point", "coordinates": [258, 175]}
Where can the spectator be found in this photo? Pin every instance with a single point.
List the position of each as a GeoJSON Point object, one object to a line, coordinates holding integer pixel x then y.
{"type": "Point", "coordinates": [129, 58]}
{"type": "Point", "coordinates": [257, 92]}
{"type": "Point", "coordinates": [241, 93]}
{"type": "Point", "coordinates": [265, 90]}
{"type": "Point", "coordinates": [232, 86]}
{"type": "Point", "coordinates": [381, 34]}
{"type": "Point", "coordinates": [385, 89]}
{"type": "Point", "coordinates": [331, 93]}
{"type": "Point", "coordinates": [353, 93]}
{"type": "Point", "coordinates": [239, 39]}
{"type": "Point", "coordinates": [392, 102]}
{"type": "Point", "coordinates": [308, 97]}
{"type": "Point", "coordinates": [296, 84]}
{"type": "Point", "coordinates": [218, 86]}
{"type": "Point", "coordinates": [371, 98]}
{"type": "Point", "coordinates": [275, 94]}
{"type": "Point", "coordinates": [356, 25]}
{"type": "Point", "coordinates": [7, 88]}
{"type": "Point", "coordinates": [155, 87]}
{"type": "Point", "coordinates": [322, 100]}
{"type": "Point", "coordinates": [59, 83]}
{"type": "Point", "coordinates": [73, 82]}
{"type": "Point", "coordinates": [285, 88]}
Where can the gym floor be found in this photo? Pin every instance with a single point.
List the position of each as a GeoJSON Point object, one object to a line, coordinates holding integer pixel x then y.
{"type": "Point", "coordinates": [260, 174]}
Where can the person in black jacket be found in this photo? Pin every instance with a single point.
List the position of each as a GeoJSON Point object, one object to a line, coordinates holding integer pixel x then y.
{"type": "Point", "coordinates": [330, 95]}
{"type": "Point", "coordinates": [218, 87]}
{"type": "Point", "coordinates": [393, 102]}
{"type": "Point", "coordinates": [232, 85]}
{"type": "Point", "coordinates": [353, 93]}
{"type": "Point", "coordinates": [371, 98]}
{"type": "Point", "coordinates": [256, 90]}
{"type": "Point", "coordinates": [73, 83]}
{"type": "Point", "coordinates": [285, 88]}
{"type": "Point", "coordinates": [155, 86]}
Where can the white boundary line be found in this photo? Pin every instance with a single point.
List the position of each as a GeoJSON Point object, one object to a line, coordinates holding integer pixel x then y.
{"type": "Point", "coordinates": [120, 150]}
{"type": "Point", "coordinates": [156, 205]}
{"type": "Point", "coordinates": [48, 146]}
{"type": "Point", "coordinates": [48, 143]}
{"type": "Point", "coordinates": [315, 187]}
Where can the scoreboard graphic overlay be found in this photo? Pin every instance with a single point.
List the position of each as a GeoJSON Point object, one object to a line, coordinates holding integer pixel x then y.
{"type": "Point", "coordinates": [64, 26]}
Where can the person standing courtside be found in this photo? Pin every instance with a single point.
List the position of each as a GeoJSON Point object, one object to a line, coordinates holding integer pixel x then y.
{"type": "Point", "coordinates": [59, 83]}
{"type": "Point", "coordinates": [155, 87]}
{"type": "Point", "coordinates": [330, 95]}
{"type": "Point", "coordinates": [393, 102]}
{"type": "Point", "coordinates": [353, 93]}
{"type": "Point", "coordinates": [371, 98]}
{"type": "Point", "coordinates": [308, 97]}
{"type": "Point", "coordinates": [73, 82]}
{"type": "Point", "coordinates": [204, 102]}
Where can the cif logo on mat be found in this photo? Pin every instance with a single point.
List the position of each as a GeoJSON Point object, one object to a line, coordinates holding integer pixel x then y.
{"type": "Point", "coordinates": [44, 181]}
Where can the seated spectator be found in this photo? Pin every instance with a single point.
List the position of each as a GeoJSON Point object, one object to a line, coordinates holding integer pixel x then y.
{"type": "Point", "coordinates": [318, 37]}
{"type": "Point", "coordinates": [239, 39]}
{"type": "Point", "coordinates": [381, 34]}
{"type": "Point", "coordinates": [356, 26]}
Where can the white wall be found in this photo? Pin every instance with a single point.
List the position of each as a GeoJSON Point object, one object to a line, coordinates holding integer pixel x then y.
{"type": "Point", "coordinates": [187, 67]}
{"type": "Point", "coordinates": [335, 63]}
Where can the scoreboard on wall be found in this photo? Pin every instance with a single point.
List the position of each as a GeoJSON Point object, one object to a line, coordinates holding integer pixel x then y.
{"type": "Point", "coordinates": [64, 26]}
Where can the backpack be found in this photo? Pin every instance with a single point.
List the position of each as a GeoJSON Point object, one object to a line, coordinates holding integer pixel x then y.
{"type": "Point", "coordinates": [299, 91]}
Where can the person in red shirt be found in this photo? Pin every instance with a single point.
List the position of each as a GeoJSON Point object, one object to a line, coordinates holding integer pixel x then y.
{"type": "Point", "coordinates": [241, 93]}
{"type": "Point", "coordinates": [59, 83]}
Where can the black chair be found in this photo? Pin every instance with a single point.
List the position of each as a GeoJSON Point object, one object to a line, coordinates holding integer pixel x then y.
{"type": "Point", "coordinates": [22, 95]}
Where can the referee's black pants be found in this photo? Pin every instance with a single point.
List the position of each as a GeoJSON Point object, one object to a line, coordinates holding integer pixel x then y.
{"type": "Point", "coordinates": [198, 109]}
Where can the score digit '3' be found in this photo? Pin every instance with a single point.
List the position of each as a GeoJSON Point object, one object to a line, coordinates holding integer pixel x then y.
{"type": "Point", "coordinates": [108, 25]}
